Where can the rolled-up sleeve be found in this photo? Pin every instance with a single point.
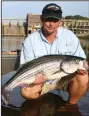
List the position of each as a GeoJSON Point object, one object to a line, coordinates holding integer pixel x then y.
{"type": "Point", "coordinates": [27, 53]}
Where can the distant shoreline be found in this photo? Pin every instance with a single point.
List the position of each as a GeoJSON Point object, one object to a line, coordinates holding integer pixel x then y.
{"type": "Point", "coordinates": [83, 37]}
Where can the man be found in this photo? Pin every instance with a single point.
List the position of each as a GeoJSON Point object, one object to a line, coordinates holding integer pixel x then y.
{"type": "Point", "coordinates": [53, 39]}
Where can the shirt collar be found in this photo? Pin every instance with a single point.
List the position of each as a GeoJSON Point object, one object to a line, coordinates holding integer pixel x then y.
{"type": "Point", "coordinates": [43, 38]}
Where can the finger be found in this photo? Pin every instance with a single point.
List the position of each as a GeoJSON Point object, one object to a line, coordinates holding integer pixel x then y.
{"type": "Point", "coordinates": [26, 89]}
{"type": "Point", "coordinates": [85, 64]}
{"type": "Point", "coordinates": [37, 95]}
{"type": "Point", "coordinates": [82, 72]}
{"type": "Point", "coordinates": [39, 79]}
{"type": "Point", "coordinates": [38, 88]}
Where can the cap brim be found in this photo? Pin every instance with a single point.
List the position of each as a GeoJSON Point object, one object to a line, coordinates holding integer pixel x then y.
{"type": "Point", "coordinates": [46, 17]}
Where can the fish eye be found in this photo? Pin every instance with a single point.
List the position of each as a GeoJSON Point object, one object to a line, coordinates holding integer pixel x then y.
{"type": "Point", "coordinates": [77, 60]}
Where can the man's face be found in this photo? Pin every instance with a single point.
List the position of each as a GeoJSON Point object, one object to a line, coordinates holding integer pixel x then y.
{"type": "Point", "coordinates": [50, 25]}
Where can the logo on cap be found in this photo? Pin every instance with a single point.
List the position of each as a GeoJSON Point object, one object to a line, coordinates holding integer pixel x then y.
{"type": "Point", "coordinates": [53, 8]}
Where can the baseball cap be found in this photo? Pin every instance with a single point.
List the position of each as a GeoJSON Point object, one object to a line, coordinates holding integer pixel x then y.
{"type": "Point", "coordinates": [52, 11]}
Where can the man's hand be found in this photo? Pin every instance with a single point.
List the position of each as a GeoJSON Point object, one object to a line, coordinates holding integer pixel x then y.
{"type": "Point", "coordinates": [85, 64]}
{"type": "Point", "coordinates": [33, 92]}
{"type": "Point", "coordinates": [39, 79]}
{"type": "Point", "coordinates": [83, 72]}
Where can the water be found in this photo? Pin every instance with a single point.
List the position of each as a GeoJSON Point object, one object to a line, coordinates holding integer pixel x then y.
{"type": "Point", "coordinates": [9, 63]}
{"type": "Point", "coordinates": [10, 43]}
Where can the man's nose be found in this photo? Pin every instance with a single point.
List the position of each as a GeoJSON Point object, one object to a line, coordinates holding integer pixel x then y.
{"type": "Point", "coordinates": [51, 23]}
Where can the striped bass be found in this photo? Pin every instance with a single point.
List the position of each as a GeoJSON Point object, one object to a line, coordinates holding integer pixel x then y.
{"type": "Point", "coordinates": [54, 67]}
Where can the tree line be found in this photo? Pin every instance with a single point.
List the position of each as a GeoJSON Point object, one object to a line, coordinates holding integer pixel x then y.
{"type": "Point", "coordinates": [76, 17]}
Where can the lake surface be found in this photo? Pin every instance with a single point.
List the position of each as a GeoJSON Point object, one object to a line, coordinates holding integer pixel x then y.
{"type": "Point", "coordinates": [10, 43]}
{"type": "Point", "coordinates": [9, 63]}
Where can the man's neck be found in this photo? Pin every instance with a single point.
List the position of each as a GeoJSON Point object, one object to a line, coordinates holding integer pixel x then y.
{"type": "Point", "coordinates": [50, 37]}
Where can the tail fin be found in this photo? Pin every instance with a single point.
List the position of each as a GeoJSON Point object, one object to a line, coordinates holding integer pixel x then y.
{"type": "Point", "coordinates": [6, 95]}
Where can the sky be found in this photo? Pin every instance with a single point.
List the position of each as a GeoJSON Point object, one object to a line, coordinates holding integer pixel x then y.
{"type": "Point", "coordinates": [19, 9]}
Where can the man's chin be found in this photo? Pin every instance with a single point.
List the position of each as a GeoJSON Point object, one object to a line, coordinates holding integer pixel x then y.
{"type": "Point", "coordinates": [50, 32]}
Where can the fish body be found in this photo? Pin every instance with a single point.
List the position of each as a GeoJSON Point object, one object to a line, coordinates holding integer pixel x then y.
{"type": "Point", "coordinates": [53, 67]}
